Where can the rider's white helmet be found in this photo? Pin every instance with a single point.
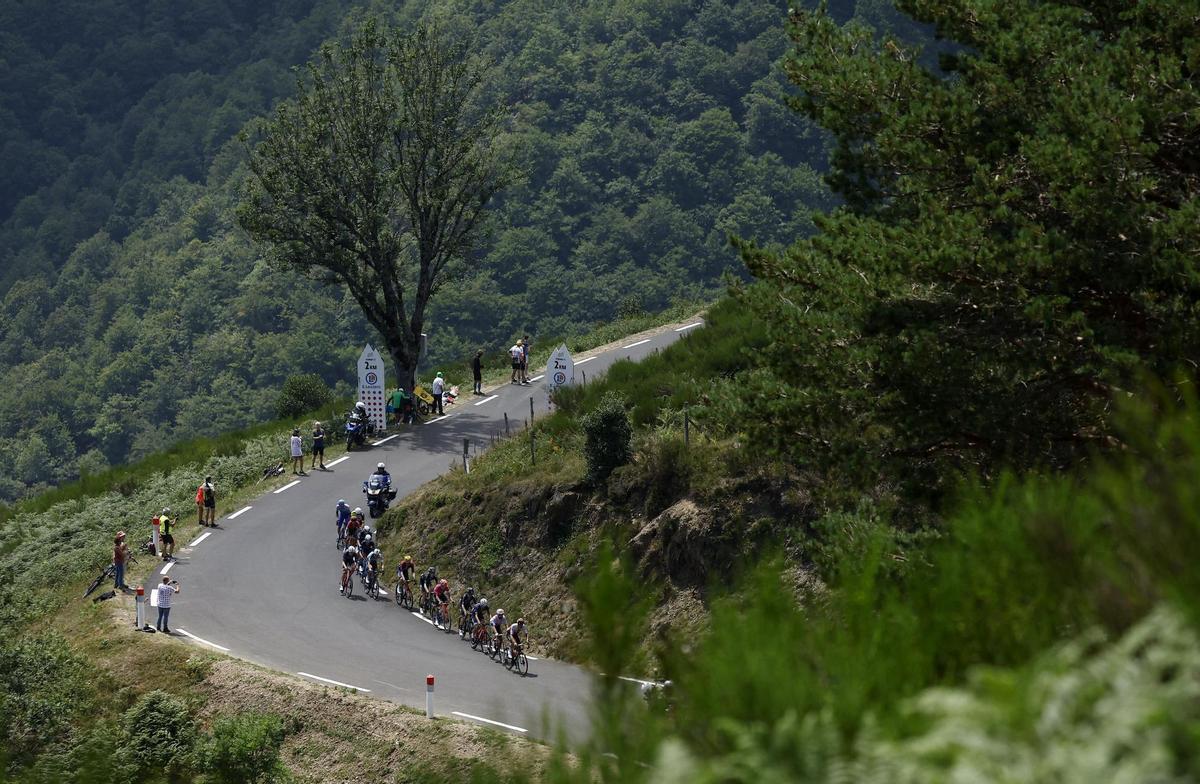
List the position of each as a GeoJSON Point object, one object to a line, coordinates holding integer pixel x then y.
{"type": "Point", "coordinates": [357, 510]}
{"type": "Point", "coordinates": [380, 465]}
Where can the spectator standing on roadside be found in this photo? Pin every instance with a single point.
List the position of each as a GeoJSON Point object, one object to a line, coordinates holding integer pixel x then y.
{"type": "Point", "coordinates": [396, 404]}
{"type": "Point", "coordinates": [210, 502]}
{"type": "Point", "coordinates": [318, 445]}
{"type": "Point", "coordinates": [516, 352]}
{"type": "Point", "coordinates": [477, 371]}
{"type": "Point", "coordinates": [439, 388]}
{"type": "Point", "coordinates": [166, 593]}
{"type": "Point", "coordinates": [525, 359]}
{"type": "Point", "coordinates": [297, 453]}
{"type": "Point", "coordinates": [166, 534]}
{"type": "Point", "coordinates": [120, 553]}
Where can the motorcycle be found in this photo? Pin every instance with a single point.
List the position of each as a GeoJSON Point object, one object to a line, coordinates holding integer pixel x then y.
{"type": "Point", "coordinates": [379, 496]}
{"type": "Point", "coordinates": [357, 431]}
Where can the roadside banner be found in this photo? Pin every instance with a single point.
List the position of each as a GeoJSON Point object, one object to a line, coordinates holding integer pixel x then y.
{"type": "Point", "coordinates": [560, 370]}
{"type": "Point", "coordinates": [371, 386]}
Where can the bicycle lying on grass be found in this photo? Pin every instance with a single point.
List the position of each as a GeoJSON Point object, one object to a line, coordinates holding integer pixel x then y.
{"type": "Point", "coordinates": [107, 573]}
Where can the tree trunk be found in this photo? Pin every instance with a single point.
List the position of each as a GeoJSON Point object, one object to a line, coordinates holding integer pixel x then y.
{"type": "Point", "coordinates": [404, 352]}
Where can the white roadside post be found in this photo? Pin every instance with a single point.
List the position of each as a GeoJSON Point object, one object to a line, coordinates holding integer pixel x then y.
{"type": "Point", "coordinates": [429, 696]}
{"type": "Point", "coordinates": [141, 608]}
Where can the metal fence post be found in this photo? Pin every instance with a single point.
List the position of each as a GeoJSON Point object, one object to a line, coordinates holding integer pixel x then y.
{"type": "Point", "coordinates": [466, 447]}
{"type": "Point", "coordinates": [505, 423]}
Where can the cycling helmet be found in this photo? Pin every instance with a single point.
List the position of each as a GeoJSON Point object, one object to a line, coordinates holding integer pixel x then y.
{"type": "Point", "coordinates": [432, 571]}
{"type": "Point", "coordinates": [520, 622]}
{"type": "Point", "coordinates": [483, 603]}
{"type": "Point", "coordinates": [341, 502]}
{"type": "Point", "coordinates": [469, 590]}
{"type": "Point", "coordinates": [366, 529]}
{"type": "Point", "coordinates": [357, 510]}
{"type": "Point", "coordinates": [500, 611]}
{"type": "Point", "coordinates": [381, 465]}
{"type": "Point", "coordinates": [408, 557]}
{"type": "Point", "coordinates": [360, 404]}
{"type": "Point", "coordinates": [443, 582]}
{"type": "Point", "coordinates": [166, 510]}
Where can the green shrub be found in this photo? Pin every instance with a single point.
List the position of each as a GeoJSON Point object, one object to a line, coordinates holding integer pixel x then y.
{"type": "Point", "coordinates": [160, 734]}
{"type": "Point", "coordinates": [245, 749]}
{"type": "Point", "coordinates": [608, 433]}
{"type": "Point", "coordinates": [44, 688]}
{"type": "Point", "coordinates": [301, 394]}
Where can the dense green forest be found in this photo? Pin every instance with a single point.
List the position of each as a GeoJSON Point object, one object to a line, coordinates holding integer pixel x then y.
{"type": "Point", "coordinates": [135, 312]}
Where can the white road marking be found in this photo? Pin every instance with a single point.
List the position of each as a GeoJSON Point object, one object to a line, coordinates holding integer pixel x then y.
{"type": "Point", "coordinates": [537, 378]}
{"type": "Point", "coordinates": [239, 512]}
{"type": "Point", "coordinates": [153, 597]}
{"type": "Point", "coordinates": [335, 683]}
{"type": "Point", "coordinates": [167, 568]}
{"type": "Point", "coordinates": [205, 642]}
{"type": "Point", "coordinates": [200, 538]}
{"type": "Point", "coordinates": [486, 399]}
{"type": "Point", "coordinates": [489, 721]}
{"type": "Point", "coordinates": [385, 440]}
{"type": "Point", "coordinates": [581, 361]}
{"type": "Point", "coordinates": [689, 326]}
{"type": "Point", "coordinates": [438, 419]}
{"type": "Point", "coordinates": [639, 681]}
{"type": "Point", "coordinates": [341, 459]}
{"type": "Point", "coordinates": [288, 486]}
{"type": "Point", "coordinates": [639, 343]}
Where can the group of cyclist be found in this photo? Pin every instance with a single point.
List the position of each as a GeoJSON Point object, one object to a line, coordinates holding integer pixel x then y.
{"type": "Point", "coordinates": [360, 552]}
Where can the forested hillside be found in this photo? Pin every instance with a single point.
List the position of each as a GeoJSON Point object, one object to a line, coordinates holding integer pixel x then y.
{"type": "Point", "coordinates": [103, 102]}
{"type": "Point", "coordinates": [136, 313]}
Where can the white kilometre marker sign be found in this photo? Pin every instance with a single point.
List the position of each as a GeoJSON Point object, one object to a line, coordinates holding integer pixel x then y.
{"type": "Point", "coordinates": [371, 386]}
{"type": "Point", "coordinates": [560, 369]}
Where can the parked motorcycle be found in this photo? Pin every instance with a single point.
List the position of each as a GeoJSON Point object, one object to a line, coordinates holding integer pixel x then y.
{"type": "Point", "coordinates": [357, 431]}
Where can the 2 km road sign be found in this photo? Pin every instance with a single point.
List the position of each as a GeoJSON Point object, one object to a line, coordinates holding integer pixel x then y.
{"type": "Point", "coordinates": [560, 370]}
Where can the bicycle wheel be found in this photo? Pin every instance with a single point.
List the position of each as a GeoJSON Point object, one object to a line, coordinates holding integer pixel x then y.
{"type": "Point", "coordinates": [522, 664]}
{"type": "Point", "coordinates": [95, 583]}
{"type": "Point", "coordinates": [408, 598]}
{"type": "Point", "coordinates": [350, 585]}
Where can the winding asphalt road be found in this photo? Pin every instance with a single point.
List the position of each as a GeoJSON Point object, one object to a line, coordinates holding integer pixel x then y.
{"type": "Point", "coordinates": [263, 586]}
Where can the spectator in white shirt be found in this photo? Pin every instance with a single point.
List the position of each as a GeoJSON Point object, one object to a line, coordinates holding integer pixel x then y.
{"type": "Point", "coordinates": [297, 453]}
{"type": "Point", "coordinates": [439, 388]}
{"type": "Point", "coordinates": [166, 592]}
